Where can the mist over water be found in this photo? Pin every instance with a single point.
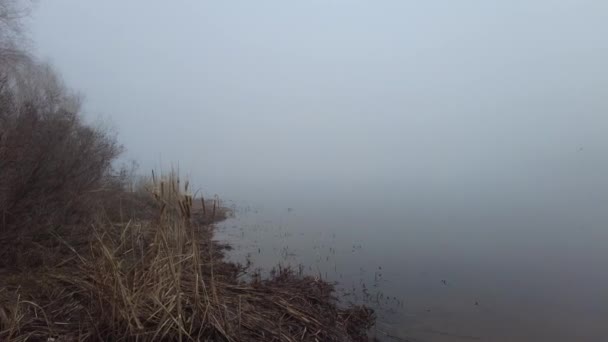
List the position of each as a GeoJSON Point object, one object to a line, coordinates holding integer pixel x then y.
{"type": "Point", "coordinates": [514, 263]}
{"type": "Point", "coordinates": [449, 141]}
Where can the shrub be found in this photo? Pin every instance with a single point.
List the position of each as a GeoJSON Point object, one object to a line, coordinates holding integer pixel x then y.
{"type": "Point", "coordinates": [50, 160]}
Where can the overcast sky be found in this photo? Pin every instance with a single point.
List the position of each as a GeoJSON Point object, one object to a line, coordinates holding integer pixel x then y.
{"type": "Point", "coordinates": [343, 92]}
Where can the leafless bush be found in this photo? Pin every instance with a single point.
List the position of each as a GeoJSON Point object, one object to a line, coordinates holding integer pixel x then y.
{"type": "Point", "coordinates": [50, 160]}
{"type": "Point", "coordinates": [11, 37]}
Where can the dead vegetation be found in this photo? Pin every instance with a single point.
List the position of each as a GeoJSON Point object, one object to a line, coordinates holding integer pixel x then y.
{"type": "Point", "coordinates": [84, 257]}
{"type": "Point", "coordinates": [165, 279]}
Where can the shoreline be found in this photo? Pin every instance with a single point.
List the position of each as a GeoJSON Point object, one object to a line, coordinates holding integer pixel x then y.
{"type": "Point", "coordinates": [159, 273]}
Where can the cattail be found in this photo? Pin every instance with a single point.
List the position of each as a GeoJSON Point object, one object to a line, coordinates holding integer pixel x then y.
{"type": "Point", "coordinates": [203, 203]}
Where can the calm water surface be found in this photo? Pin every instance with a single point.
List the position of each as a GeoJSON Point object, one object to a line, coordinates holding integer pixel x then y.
{"type": "Point", "coordinates": [517, 261]}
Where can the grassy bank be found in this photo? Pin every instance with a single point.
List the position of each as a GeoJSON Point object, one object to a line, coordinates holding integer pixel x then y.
{"type": "Point", "coordinates": [148, 269]}
{"type": "Point", "coordinates": [86, 254]}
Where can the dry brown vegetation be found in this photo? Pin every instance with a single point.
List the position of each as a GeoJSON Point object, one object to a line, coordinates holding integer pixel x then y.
{"type": "Point", "coordinates": [165, 279]}
{"type": "Point", "coordinates": [53, 166]}
{"type": "Point", "coordinates": [85, 255]}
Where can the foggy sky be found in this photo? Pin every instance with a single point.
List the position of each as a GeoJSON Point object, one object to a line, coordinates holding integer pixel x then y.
{"type": "Point", "coordinates": [344, 92]}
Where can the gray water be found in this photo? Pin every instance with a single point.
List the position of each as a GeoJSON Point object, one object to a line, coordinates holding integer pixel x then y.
{"type": "Point", "coordinates": [511, 259]}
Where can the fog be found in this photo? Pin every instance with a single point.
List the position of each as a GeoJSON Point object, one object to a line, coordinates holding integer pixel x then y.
{"type": "Point", "coordinates": [385, 93]}
{"type": "Point", "coordinates": [458, 146]}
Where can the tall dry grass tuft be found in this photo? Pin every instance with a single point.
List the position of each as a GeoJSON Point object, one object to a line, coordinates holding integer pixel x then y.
{"type": "Point", "coordinates": [147, 281]}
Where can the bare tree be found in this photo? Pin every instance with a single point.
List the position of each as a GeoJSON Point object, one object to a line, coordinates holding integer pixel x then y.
{"type": "Point", "coordinates": [50, 160]}
{"type": "Point", "coordinates": [11, 31]}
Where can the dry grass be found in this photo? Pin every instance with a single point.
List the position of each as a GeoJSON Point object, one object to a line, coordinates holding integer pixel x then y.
{"type": "Point", "coordinates": [165, 279]}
